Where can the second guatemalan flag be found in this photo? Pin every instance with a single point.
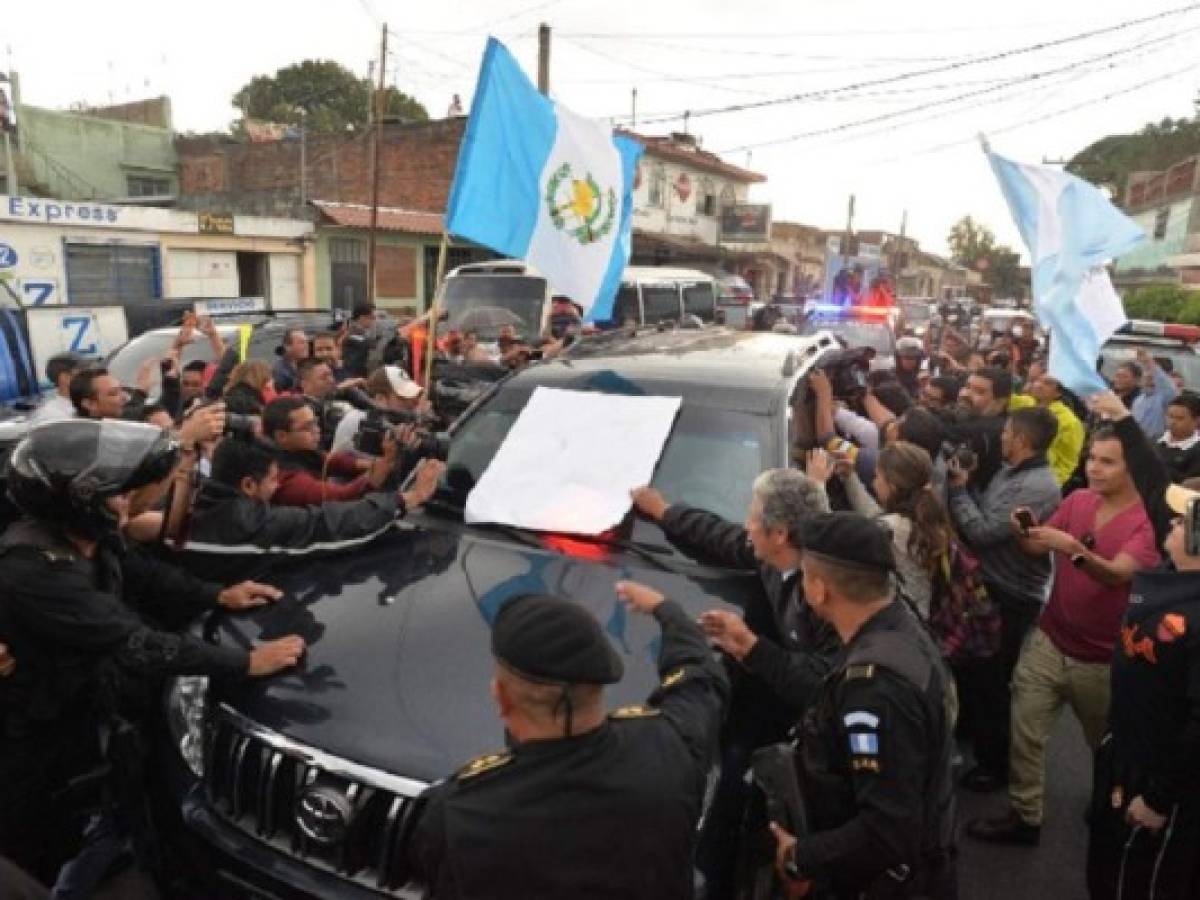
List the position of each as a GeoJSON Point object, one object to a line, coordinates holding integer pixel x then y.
{"type": "Point", "coordinates": [537, 182]}
{"type": "Point", "coordinates": [1072, 230]}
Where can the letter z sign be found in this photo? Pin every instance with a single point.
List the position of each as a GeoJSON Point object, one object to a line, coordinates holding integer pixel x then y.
{"type": "Point", "coordinates": [79, 334]}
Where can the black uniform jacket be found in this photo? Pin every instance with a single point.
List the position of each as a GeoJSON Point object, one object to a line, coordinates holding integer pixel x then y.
{"type": "Point", "coordinates": [1155, 711]}
{"type": "Point", "coordinates": [876, 749]}
{"type": "Point", "coordinates": [795, 649]}
{"type": "Point", "coordinates": [66, 618]}
{"type": "Point", "coordinates": [611, 813]}
{"type": "Point", "coordinates": [232, 537]}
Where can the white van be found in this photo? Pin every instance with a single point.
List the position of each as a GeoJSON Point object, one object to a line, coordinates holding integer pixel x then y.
{"type": "Point", "coordinates": [649, 295]}
{"type": "Point", "coordinates": [484, 297]}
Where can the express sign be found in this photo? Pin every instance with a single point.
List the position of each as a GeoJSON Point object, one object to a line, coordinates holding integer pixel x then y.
{"type": "Point", "coordinates": [29, 209]}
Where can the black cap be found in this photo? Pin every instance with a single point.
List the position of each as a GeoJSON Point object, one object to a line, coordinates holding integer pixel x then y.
{"type": "Point", "coordinates": [550, 639]}
{"type": "Point", "coordinates": [850, 540]}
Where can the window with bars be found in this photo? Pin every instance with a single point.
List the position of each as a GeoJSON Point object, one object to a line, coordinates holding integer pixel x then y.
{"type": "Point", "coordinates": [112, 273]}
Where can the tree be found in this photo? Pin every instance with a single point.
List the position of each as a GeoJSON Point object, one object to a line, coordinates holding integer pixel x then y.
{"type": "Point", "coordinates": [1109, 161]}
{"type": "Point", "coordinates": [973, 245]}
{"type": "Point", "coordinates": [970, 242]}
{"type": "Point", "coordinates": [330, 95]}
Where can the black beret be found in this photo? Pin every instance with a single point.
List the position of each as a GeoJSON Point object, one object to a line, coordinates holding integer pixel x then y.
{"type": "Point", "coordinates": [850, 540]}
{"type": "Point", "coordinates": [551, 639]}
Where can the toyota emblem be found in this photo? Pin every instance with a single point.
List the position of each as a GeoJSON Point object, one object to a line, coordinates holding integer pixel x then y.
{"type": "Point", "coordinates": [323, 815]}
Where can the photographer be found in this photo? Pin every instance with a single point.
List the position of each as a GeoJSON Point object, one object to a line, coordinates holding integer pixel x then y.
{"type": "Point", "coordinates": [982, 411]}
{"type": "Point", "coordinates": [305, 471]}
{"type": "Point", "coordinates": [389, 389]}
{"type": "Point", "coordinates": [235, 532]}
{"type": "Point", "coordinates": [94, 626]}
{"type": "Point", "coordinates": [1015, 580]}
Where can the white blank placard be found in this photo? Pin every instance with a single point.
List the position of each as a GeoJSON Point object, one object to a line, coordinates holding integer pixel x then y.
{"type": "Point", "coordinates": [570, 461]}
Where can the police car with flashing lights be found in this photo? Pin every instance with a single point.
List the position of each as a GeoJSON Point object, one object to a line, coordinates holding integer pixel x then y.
{"type": "Point", "coordinates": [857, 326]}
{"type": "Point", "coordinates": [1178, 346]}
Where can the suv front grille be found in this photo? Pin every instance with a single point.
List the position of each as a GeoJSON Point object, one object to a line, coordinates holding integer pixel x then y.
{"type": "Point", "coordinates": [328, 812]}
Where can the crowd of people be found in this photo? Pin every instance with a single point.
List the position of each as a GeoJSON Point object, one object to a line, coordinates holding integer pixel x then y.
{"type": "Point", "coordinates": [963, 549]}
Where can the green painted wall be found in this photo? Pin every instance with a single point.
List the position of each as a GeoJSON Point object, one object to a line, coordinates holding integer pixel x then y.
{"type": "Point", "coordinates": [324, 275]}
{"type": "Point", "coordinates": [77, 157]}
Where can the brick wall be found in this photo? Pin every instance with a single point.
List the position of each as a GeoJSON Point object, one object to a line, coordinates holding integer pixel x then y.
{"type": "Point", "coordinates": [396, 271]}
{"type": "Point", "coordinates": [416, 169]}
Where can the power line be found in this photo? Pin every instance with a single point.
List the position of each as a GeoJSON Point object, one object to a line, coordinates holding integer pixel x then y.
{"type": "Point", "coordinates": [1022, 79]}
{"type": "Point", "coordinates": [905, 76]}
{"type": "Point", "coordinates": [1025, 123]}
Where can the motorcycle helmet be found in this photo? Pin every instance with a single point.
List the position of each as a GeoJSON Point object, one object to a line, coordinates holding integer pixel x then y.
{"type": "Point", "coordinates": [64, 472]}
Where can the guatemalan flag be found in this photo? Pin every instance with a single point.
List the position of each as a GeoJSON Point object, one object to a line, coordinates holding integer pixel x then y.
{"type": "Point", "coordinates": [1072, 231]}
{"type": "Point", "coordinates": [537, 182]}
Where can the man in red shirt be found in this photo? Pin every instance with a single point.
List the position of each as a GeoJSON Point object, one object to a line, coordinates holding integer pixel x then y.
{"type": "Point", "coordinates": [306, 473]}
{"type": "Point", "coordinates": [1100, 536]}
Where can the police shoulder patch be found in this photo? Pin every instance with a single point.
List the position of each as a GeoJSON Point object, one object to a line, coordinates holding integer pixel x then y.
{"type": "Point", "coordinates": [860, 670]}
{"type": "Point", "coordinates": [635, 712]}
{"type": "Point", "coordinates": [485, 763]}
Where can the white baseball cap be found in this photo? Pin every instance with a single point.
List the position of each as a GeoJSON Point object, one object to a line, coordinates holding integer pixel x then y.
{"type": "Point", "coordinates": [403, 386]}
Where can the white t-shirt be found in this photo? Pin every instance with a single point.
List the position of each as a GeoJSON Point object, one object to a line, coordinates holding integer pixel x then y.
{"type": "Point", "coordinates": [54, 409]}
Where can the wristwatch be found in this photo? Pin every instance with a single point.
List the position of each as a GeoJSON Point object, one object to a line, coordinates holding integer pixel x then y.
{"type": "Point", "coordinates": [1078, 559]}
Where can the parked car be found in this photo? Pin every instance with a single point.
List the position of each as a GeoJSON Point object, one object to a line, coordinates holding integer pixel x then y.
{"type": "Point", "coordinates": [650, 295]}
{"type": "Point", "coordinates": [393, 690]}
{"type": "Point", "coordinates": [1180, 344]}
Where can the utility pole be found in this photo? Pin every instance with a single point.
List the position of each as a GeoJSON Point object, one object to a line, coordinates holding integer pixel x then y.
{"type": "Point", "coordinates": [901, 253]}
{"type": "Point", "coordinates": [303, 155]}
{"type": "Point", "coordinates": [380, 97]}
{"type": "Point", "coordinates": [633, 117]}
{"type": "Point", "coordinates": [544, 59]}
{"type": "Point", "coordinates": [10, 184]}
{"type": "Point", "coordinates": [846, 237]}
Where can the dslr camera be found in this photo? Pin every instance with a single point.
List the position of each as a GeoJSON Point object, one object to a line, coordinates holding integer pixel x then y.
{"type": "Point", "coordinates": [369, 438]}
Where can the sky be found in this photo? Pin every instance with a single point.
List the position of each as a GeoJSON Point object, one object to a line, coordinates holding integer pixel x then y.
{"type": "Point", "coordinates": [893, 94]}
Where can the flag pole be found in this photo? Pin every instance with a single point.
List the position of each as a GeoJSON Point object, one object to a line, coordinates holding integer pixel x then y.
{"type": "Point", "coordinates": [435, 310]}
{"type": "Point", "coordinates": [983, 142]}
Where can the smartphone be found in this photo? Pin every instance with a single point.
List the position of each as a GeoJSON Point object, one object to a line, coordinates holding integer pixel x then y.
{"type": "Point", "coordinates": [1191, 529]}
{"type": "Point", "coordinates": [1025, 519]}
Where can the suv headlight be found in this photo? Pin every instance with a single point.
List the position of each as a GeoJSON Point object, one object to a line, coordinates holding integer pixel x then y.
{"type": "Point", "coordinates": [186, 701]}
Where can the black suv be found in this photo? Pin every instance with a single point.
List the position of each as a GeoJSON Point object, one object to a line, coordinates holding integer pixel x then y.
{"type": "Point", "coordinates": [304, 784]}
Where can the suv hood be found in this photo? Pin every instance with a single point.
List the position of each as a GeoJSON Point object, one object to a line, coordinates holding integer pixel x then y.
{"type": "Point", "coordinates": [398, 666]}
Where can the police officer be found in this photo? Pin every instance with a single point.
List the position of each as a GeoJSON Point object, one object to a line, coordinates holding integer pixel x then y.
{"type": "Point", "coordinates": [583, 802]}
{"type": "Point", "coordinates": [90, 625]}
{"type": "Point", "coordinates": [875, 746]}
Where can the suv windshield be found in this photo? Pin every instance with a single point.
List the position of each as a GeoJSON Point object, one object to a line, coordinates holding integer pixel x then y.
{"type": "Point", "coordinates": [916, 312]}
{"type": "Point", "coordinates": [486, 302]}
{"type": "Point", "coordinates": [711, 458]}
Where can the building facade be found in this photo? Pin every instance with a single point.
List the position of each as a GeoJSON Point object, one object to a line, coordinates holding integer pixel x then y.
{"type": "Point", "coordinates": [117, 154]}
{"type": "Point", "coordinates": [55, 252]}
{"type": "Point", "coordinates": [1165, 205]}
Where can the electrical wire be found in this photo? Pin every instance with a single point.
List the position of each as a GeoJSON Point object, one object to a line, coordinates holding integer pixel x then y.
{"type": "Point", "coordinates": [1025, 123]}
{"type": "Point", "coordinates": [1022, 79]}
{"type": "Point", "coordinates": [905, 76]}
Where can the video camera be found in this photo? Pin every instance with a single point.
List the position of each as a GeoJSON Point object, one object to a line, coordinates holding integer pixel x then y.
{"type": "Point", "coordinates": [237, 425]}
{"type": "Point", "coordinates": [369, 438]}
{"type": "Point", "coordinates": [847, 371]}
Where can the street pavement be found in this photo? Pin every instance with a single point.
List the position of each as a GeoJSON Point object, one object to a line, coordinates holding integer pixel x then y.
{"type": "Point", "coordinates": [1054, 870]}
